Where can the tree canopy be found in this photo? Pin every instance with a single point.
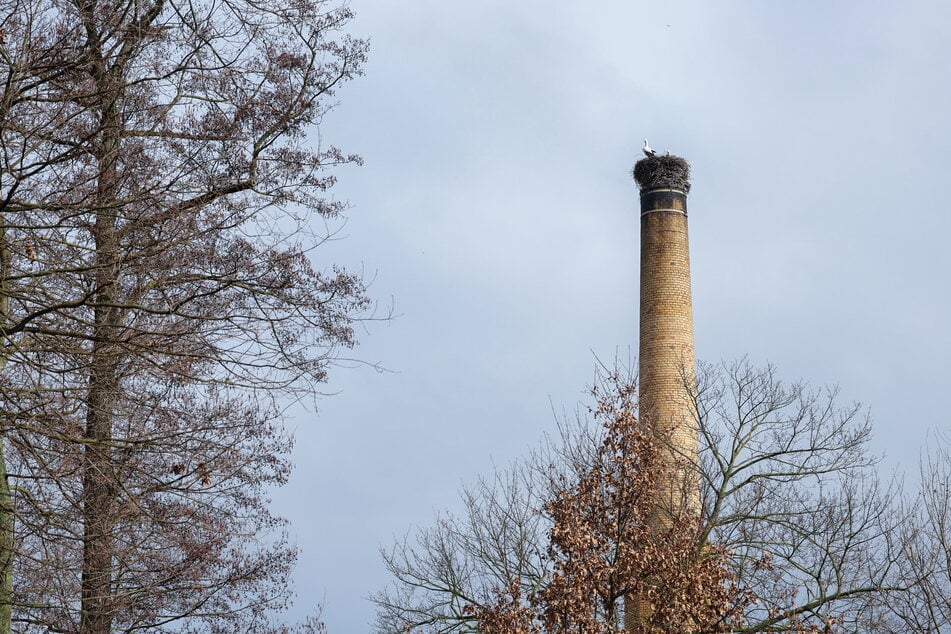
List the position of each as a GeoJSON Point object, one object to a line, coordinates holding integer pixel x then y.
{"type": "Point", "coordinates": [161, 193]}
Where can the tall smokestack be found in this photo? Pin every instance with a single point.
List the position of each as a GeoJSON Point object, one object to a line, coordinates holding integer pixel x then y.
{"type": "Point", "coordinates": [667, 366]}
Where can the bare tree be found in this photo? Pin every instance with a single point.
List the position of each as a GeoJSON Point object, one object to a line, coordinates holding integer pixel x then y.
{"type": "Point", "coordinates": [924, 540]}
{"type": "Point", "coordinates": [791, 493]}
{"type": "Point", "coordinates": [794, 535]}
{"type": "Point", "coordinates": [160, 177]}
{"type": "Point", "coordinates": [447, 571]}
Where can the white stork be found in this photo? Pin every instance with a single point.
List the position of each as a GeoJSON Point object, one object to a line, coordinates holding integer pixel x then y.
{"type": "Point", "coordinates": [648, 150]}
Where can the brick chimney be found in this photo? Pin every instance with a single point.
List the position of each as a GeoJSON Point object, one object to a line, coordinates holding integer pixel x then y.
{"type": "Point", "coordinates": [666, 375]}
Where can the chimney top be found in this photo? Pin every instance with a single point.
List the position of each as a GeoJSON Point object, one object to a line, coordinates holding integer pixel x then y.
{"type": "Point", "coordinates": [662, 172]}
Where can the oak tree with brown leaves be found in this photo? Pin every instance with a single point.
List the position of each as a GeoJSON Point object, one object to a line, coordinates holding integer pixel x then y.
{"type": "Point", "coordinates": [604, 547]}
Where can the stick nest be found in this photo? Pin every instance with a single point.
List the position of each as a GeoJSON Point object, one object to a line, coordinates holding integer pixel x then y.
{"type": "Point", "coordinates": [662, 172]}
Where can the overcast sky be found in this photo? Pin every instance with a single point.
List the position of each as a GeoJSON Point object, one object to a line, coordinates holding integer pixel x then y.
{"type": "Point", "coordinates": [496, 211]}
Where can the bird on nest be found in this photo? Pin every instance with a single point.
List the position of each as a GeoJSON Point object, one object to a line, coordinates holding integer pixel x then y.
{"type": "Point", "coordinates": [648, 150]}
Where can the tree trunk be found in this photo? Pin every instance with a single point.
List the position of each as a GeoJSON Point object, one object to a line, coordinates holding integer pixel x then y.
{"type": "Point", "coordinates": [6, 500]}
{"type": "Point", "coordinates": [98, 471]}
{"type": "Point", "coordinates": [6, 547]}
{"type": "Point", "coordinates": [98, 493]}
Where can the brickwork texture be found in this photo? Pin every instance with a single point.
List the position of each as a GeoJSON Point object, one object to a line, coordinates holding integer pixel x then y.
{"type": "Point", "coordinates": [666, 355]}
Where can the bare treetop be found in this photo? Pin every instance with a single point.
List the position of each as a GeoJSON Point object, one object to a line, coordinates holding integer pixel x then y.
{"type": "Point", "coordinates": [658, 172]}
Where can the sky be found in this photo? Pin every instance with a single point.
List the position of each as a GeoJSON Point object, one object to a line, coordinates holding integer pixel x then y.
{"type": "Point", "coordinates": [496, 215]}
